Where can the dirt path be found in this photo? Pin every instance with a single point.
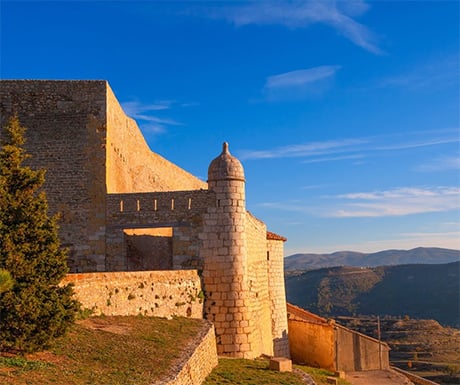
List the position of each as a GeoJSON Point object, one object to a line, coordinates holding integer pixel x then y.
{"type": "Point", "coordinates": [377, 377]}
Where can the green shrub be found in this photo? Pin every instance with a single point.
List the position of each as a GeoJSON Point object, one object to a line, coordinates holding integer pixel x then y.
{"type": "Point", "coordinates": [36, 309]}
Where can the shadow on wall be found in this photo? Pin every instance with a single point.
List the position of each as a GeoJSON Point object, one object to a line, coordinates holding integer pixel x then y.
{"type": "Point", "coordinates": [281, 345]}
{"type": "Point", "coordinates": [149, 249]}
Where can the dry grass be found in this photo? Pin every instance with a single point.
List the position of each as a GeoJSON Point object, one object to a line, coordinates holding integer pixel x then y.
{"type": "Point", "coordinates": [255, 372]}
{"type": "Point", "coordinates": [132, 351]}
{"type": "Point", "coordinates": [106, 350]}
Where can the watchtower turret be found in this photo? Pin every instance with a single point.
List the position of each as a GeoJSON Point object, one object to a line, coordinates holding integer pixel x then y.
{"type": "Point", "coordinates": [225, 262]}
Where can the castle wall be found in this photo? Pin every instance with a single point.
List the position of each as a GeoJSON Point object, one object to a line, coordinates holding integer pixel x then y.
{"type": "Point", "coordinates": [186, 246]}
{"type": "Point", "coordinates": [149, 249]}
{"type": "Point", "coordinates": [116, 197]}
{"type": "Point", "coordinates": [312, 344]}
{"type": "Point", "coordinates": [318, 342]}
{"type": "Point", "coordinates": [180, 210]}
{"type": "Point", "coordinates": [196, 367]}
{"type": "Point", "coordinates": [131, 165]}
{"type": "Point", "coordinates": [256, 234]}
{"type": "Point", "coordinates": [356, 351]}
{"type": "Point", "coordinates": [66, 130]}
{"type": "Point", "coordinates": [277, 295]}
{"type": "Point", "coordinates": [150, 293]}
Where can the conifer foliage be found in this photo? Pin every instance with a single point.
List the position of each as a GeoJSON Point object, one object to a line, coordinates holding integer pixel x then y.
{"type": "Point", "coordinates": [36, 309]}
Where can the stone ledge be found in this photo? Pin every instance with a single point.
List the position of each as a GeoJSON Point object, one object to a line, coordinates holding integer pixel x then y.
{"type": "Point", "coordinates": [197, 364]}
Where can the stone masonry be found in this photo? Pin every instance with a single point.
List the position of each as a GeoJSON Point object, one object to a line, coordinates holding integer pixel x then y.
{"type": "Point", "coordinates": [125, 208]}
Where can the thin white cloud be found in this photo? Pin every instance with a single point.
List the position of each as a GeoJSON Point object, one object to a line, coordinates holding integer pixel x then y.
{"type": "Point", "coordinates": [153, 128]}
{"type": "Point", "coordinates": [415, 144]}
{"type": "Point", "coordinates": [435, 73]}
{"type": "Point", "coordinates": [156, 119]}
{"type": "Point", "coordinates": [396, 202]}
{"type": "Point", "coordinates": [146, 115]}
{"type": "Point", "coordinates": [314, 186]}
{"type": "Point", "coordinates": [302, 14]}
{"type": "Point", "coordinates": [302, 77]}
{"type": "Point", "coordinates": [355, 148]}
{"type": "Point", "coordinates": [134, 107]}
{"type": "Point", "coordinates": [334, 158]}
{"type": "Point", "coordinates": [388, 203]}
{"type": "Point", "coordinates": [440, 164]}
{"type": "Point", "coordinates": [304, 150]}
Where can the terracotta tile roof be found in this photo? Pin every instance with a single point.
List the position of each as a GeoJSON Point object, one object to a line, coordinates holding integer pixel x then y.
{"type": "Point", "coordinates": [275, 237]}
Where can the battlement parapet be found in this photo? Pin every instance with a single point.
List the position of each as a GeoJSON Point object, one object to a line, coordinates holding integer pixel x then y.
{"type": "Point", "coordinates": [138, 209]}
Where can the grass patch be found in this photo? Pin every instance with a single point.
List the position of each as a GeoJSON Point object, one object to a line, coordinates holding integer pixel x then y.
{"type": "Point", "coordinates": [21, 364]}
{"type": "Point", "coordinates": [320, 375]}
{"type": "Point", "coordinates": [255, 372]}
{"type": "Point", "coordinates": [133, 350]}
{"type": "Point", "coordinates": [106, 350]}
{"type": "Point", "coordinates": [249, 372]}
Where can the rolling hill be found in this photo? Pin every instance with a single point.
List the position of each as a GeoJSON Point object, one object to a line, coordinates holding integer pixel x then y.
{"type": "Point", "coordinates": [424, 291]}
{"type": "Point", "coordinates": [430, 255]}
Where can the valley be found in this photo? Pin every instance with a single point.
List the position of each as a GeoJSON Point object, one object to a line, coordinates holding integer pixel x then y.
{"type": "Point", "coordinates": [418, 306]}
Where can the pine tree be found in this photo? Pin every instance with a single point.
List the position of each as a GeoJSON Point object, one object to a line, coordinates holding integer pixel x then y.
{"type": "Point", "coordinates": [36, 309]}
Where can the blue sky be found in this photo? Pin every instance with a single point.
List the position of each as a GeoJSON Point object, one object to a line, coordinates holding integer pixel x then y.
{"type": "Point", "coordinates": [345, 115]}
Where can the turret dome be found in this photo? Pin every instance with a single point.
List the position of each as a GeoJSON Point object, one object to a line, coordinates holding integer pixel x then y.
{"type": "Point", "coordinates": [225, 167]}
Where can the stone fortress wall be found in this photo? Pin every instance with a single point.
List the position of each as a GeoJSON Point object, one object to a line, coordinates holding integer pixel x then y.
{"type": "Point", "coordinates": [126, 208]}
{"type": "Point", "coordinates": [130, 164]}
{"type": "Point", "coordinates": [66, 134]}
{"type": "Point", "coordinates": [150, 293]}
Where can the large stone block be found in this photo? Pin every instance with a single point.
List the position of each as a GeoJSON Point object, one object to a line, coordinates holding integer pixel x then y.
{"type": "Point", "coordinates": [280, 364]}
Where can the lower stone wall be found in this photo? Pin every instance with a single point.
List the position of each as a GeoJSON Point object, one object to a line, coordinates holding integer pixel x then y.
{"type": "Point", "coordinates": [199, 363]}
{"type": "Point", "coordinates": [417, 380]}
{"type": "Point", "coordinates": [321, 343]}
{"type": "Point", "coordinates": [150, 293]}
{"type": "Point", "coordinates": [356, 351]}
{"type": "Point", "coordinates": [312, 343]}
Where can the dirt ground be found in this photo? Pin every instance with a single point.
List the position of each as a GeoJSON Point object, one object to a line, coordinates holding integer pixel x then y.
{"type": "Point", "coordinates": [377, 377]}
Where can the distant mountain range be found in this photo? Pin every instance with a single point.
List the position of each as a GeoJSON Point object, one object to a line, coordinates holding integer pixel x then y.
{"type": "Point", "coordinates": [426, 255]}
{"type": "Point", "coordinates": [424, 291]}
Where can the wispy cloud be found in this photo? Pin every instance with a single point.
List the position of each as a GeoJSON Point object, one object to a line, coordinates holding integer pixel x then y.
{"type": "Point", "coordinates": [147, 115]}
{"type": "Point", "coordinates": [334, 158]}
{"type": "Point", "coordinates": [300, 83]}
{"type": "Point", "coordinates": [356, 148]}
{"type": "Point", "coordinates": [301, 77]}
{"type": "Point", "coordinates": [302, 14]}
{"type": "Point", "coordinates": [397, 202]}
{"type": "Point", "coordinates": [435, 73]}
{"type": "Point", "coordinates": [440, 164]}
{"type": "Point", "coordinates": [134, 107]}
{"type": "Point", "coordinates": [387, 203]}
{"type": "Point", "coordinates": [304, 150]}
{"type": "Point", "coordinates": [314, 186]}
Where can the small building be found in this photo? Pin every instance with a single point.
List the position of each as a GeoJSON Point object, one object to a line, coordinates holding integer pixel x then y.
{"type": "Point", "coordinates": [125, 208]}
{"type": "Point", "coordinates": [319, 342]}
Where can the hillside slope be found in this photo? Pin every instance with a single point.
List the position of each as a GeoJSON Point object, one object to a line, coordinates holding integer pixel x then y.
{"type": "Point", "coordinates": [382, 258]}
{"type": "Point", "coordinates": [423, 347]}
{"type": "Point", "coordinates": [418, 291]}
